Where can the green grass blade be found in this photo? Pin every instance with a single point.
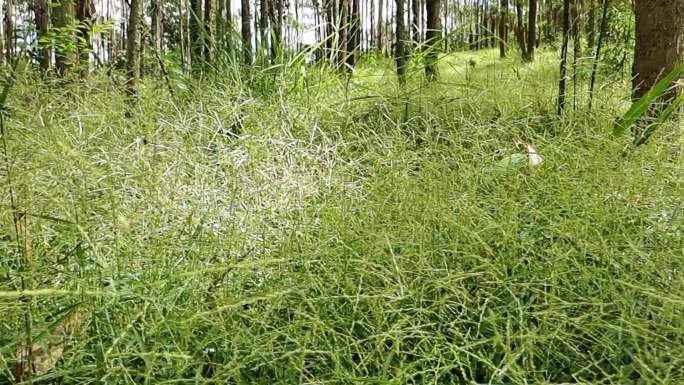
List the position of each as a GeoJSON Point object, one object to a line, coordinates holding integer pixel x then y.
{"type": "Point", "coordinates": [640, 107]}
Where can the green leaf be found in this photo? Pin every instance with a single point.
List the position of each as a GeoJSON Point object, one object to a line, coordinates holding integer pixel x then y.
{"type": "Point", "coordinates": [664, 117]}
{"type": "Point", "coordinates": [640, 107]}
{"type": "Point", "coordinates": [508, 163]}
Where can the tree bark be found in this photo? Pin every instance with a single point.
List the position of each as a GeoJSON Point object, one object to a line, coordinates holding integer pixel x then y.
{"type": "Point", "coordinates": [381, 27]}
{"type": "Point", "coordinates": [208, 30]}
{"type": "Point", "coordinates": [503, 25]}
{"type": "Point", "coordinates": [157, 25]}
{"type": "Point", "coordinates": [415, 21]}
{"type": "Point", "coordinates": [263, 24]}
{"type": "Point", "coordinates": [520, 28]}
{"type": "Point", "coordinates": [531, 30]}
{"type": "Point", "coordinates": [62, 15]}
{"type": "Point", "coordinates": [564, 57]}
{"type": "Point", "coordinates": [85, 14]}
{"type": "Point", "coordinates": [132, 47]}
{"type": "Point", "coordinates": [9, 29]}
{"type": "Point", "coordinates": [432, 36]}
{"type": "Point", "coordinates": [42, 25]}
{"type": "Point", "coordinates": [659, 43]}
{"type": "Point", "coordinates": [399, 45]}
{"type": "Point", "coordinates": [246, 31]}
{"type": "Point", "coordinates": [353, 38]}
{"type": "Point", "coordinates": [196, 35]}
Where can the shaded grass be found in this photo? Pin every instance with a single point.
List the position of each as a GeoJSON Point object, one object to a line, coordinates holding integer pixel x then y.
{"type": "Point", "coordinates": [310, 228]}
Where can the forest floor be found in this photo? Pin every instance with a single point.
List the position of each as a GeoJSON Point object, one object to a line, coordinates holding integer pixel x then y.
{"type": "Point", "coordinates": [289, 225]}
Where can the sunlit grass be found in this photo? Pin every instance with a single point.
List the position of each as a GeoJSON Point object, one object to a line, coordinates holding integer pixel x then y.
{"type": "Point", "coordinates": [312, 228]}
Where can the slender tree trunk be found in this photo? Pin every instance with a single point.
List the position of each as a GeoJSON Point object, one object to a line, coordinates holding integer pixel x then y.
{"type": "Point", "coordinates": [659, 43]}
{"type": "Point", "coordinates": [503, 24]}
{"type": "Point", "coordinates": [221, 21]}
{"type": "Point", "coordinates": [432, 36]}
{"type": "Point", "coordinates": [381, 26]}
{"type": "Point", "coordinates": [132, 47]}
{"type": "Point", "coordinates": [158, 25]}
{"type": "Point", "coordinates": [399, 45]}
{"type": "Point", "coordinates": [415, 22]}
{"type": "Point", "coordinates": [531, 30]}
{"type": "Point", "coordinates": [208, 30]}
{"type": "Point", "coordinates": [41, 14]}
{"type": "Point", "coordinates": [564, 56]}
{"type": "Point", "coordinates": [591, 25]}
{"type": "Point", "coordinates": [196, 35]}
{"type": "Point", "coordinates": [599, 44]}
{"type": "Point", "coordinates": [9, 29]}
{"type": "Point", "coordinates": [520, 28]}
{"type": "Point", "coordinates": [246, 31]}
{"type": "Point", "coordinates": [263, 24]}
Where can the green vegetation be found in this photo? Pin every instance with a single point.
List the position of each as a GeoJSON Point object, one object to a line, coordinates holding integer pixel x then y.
{"type": "Point", "coordinates": [289, 225]}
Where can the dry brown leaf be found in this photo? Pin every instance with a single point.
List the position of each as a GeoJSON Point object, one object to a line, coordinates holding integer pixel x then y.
{"type": "Point", "coordinates": [44, 354]}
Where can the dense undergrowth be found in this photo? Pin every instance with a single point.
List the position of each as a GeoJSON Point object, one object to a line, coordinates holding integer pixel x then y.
{"type": "Point", "coordinates": [288, 225]}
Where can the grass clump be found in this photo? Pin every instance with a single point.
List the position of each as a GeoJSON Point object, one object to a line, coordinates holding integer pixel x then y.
{"type": "Point", "coordinates": [334, 230]}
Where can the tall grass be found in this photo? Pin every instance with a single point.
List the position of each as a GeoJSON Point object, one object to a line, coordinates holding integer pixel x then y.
{"type": "Point", "coordinates": [289, 225]}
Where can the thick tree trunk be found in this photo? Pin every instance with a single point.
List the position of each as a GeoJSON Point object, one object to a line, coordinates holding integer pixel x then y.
{"type": "Point", "coordinates": [85, 14]}
{"type": "Point", "coordinates": [432, 36]}
{"type": "Point", "coordinates": [531, 30]}
{"type": "Point", "coordinates": [353, 38]}
{"type": "Point", "coordinates": [276, 16]}
{"type": "Point", "coordinates": [659, 43]}
{"type": "Point", "coordinates": [62, 15]}
{"type": "Point", "coordinates": [132, 47]}
{"type": "Point", "coordinates": [399, 45]}
{"type": "Point", "coordinates": [246, 31]}
{"type": "Point", "coordinates": [503, 25]}
{"type": "Point", "coordinates": [42, 25]}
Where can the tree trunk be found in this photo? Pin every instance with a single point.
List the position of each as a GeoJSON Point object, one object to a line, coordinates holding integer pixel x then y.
{"type": "Point", "coordinates": [9, 29]}
{"type": "Point", "coordinates": [246, 31]}
{"type": "Point", "coordinates": [415, 22]}
{"type": "Point", "coordinates": [381, 27]}
{"type": "Point", "coordinates": [599, 44]}
{"type": "Point", "coordinates": [591, 25]}
{"type": "Point", "coordinates": [520, 28]}
{"type": "Point", "coordinates": [531, 30]}
{"type": "Point", "coordinates": [432, 36]}
{"type": "Point", "coordinates": [564, 57]}
{"type": "Point", "coordinates": [503, 24]}
{"type": "Point", "coordinates": [196, 35]}
{"type": "Point", "coordinates": [208, 30]}
{"type": "Point", "coordinates": [354, 34]}
{"type": "Point", "coordinates": [157, 25]}
{"type": "Point", "coordinates": [659, 43]}
{"type": "Point", "coordinates": [263, 24]}
{"type": "Point", "coordinates": [132, 47]}
{"type": "Point", "coordinates": [42, 25]}
{"type": "Point", "coordinates": [221, 21]}
{"type": "Point", "coordinates": [399, 45]}
{"type": "Point", "coordinates": [62, 15]}
{"type": "Point", "coordinates": [85, 14]}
